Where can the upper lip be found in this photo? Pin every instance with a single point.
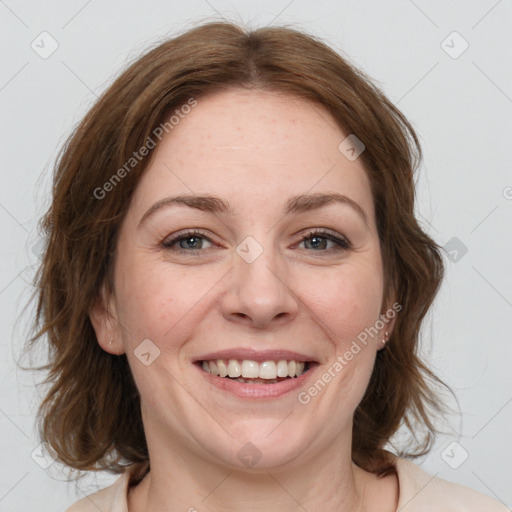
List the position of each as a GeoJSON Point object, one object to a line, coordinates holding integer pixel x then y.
{"type": "Point", "coordinates": [241, 354]}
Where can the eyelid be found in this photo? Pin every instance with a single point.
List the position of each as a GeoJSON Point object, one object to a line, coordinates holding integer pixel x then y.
{"type": "Point", "coordinates": [325, 231]}
{"type": "Point", "coordinates": [187, 233]}
{"type": "Point", "coordinates": [342, 242]}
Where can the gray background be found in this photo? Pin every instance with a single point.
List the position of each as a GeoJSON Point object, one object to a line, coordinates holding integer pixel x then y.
{"type": "Point", "coordinates": [460, 103]}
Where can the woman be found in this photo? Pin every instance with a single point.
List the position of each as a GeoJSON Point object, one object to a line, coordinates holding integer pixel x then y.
{"type": "Point", "coordinates": [234, 285]}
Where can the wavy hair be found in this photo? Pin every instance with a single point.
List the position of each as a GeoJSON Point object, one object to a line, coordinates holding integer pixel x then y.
{"type": "Point", "coordinates": [91, 414]}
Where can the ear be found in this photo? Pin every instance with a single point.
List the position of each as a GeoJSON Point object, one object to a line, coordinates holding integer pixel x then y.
{"type": "Point", "coordinates": [388, 316]}
{"type": "Point", "coordinates": [103, 317]}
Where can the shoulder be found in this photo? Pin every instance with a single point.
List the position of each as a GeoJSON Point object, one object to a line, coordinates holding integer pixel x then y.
{"type": "Point", "coordinates": [110, 499]}
{"type": "Point", "coordinates": [422, 492]}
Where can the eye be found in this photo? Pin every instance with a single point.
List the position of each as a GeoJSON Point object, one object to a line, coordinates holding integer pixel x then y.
{"type": "Point", "coordinates": [321, 241]}
{"type": "Point", "coordinates": [190, 241]}
{"type": "Point", "coordinates": [195, 241]}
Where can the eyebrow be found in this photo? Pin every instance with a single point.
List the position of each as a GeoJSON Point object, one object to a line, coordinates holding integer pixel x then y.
{"type": "Point", "coordinates": [296, 204]}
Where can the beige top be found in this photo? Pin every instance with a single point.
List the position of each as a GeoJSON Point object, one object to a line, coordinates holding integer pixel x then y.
{"type": "Point", "coordinates": [419, 492]}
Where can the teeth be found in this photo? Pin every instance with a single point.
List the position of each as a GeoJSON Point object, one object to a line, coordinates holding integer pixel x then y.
{"type": "Point", "coordinates": [282, 369]}
{"type": "Point", "coordinates": [247, 369]}
{"type": "Point", "coordinates": [250, 369]}
{"type": "Point", "coordinates": [223, 370]}
{"type": "Point", "coordinates": [249, 381]}
{"type": "Point", "coordinates": [268, 370]}
{"type": "Point", "coordinates": [234, 369]}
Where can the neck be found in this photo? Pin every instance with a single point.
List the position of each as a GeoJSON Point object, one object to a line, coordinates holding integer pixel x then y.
{"type": "Point", "coordinates": [182, 480]}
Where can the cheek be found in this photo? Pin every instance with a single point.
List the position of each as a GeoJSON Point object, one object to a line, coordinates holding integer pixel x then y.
{"type": "Point", "coordinates": [144, 304]}
{"type": "Point", "coordinates": [346, 307]}
{"type": "Point", "coordinates": [349, 305]}
{"type": "Point", "coordinates": [159, 302]}
{"type": "Point", "coordinates": [345, 302]}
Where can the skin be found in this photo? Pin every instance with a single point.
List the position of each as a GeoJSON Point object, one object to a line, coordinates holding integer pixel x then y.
{"type": "Point", "coordinates": [254, 149]}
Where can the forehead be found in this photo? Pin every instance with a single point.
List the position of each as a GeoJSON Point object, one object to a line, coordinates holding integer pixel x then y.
{"type": "Point", "coordinates": [244, 143]}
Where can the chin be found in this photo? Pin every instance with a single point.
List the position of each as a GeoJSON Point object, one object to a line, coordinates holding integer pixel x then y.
{"type": "Point", "coordinates": [259, 445]}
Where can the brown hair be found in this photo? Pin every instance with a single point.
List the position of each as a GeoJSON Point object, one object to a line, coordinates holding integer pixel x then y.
{"type": "Point", "coordinates": [91, 413]}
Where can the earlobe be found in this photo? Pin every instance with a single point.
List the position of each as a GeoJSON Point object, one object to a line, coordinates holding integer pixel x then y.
{"type": "Point", "coordinates": [387, 317]}
{"type": "Point", "coordinates": [104, 321]}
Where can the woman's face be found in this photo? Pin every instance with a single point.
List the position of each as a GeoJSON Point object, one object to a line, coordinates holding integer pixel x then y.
{"type": "Point", "coordinates": [253, 264]}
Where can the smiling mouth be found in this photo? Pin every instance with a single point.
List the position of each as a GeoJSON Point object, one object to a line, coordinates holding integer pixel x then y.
{"type": "Point", "coordinates": [253, 372]}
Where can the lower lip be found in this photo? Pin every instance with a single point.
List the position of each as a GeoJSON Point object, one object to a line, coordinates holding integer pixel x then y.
{"type": "Point", "coordinates": [258, 390]}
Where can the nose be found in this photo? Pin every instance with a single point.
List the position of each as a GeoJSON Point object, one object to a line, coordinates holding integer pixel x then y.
{"type": "Point", "coordinates": [259, 294]}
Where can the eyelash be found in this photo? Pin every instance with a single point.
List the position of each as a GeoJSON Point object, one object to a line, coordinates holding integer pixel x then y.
{"type": "Point", "coordinates": [342, 242]}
